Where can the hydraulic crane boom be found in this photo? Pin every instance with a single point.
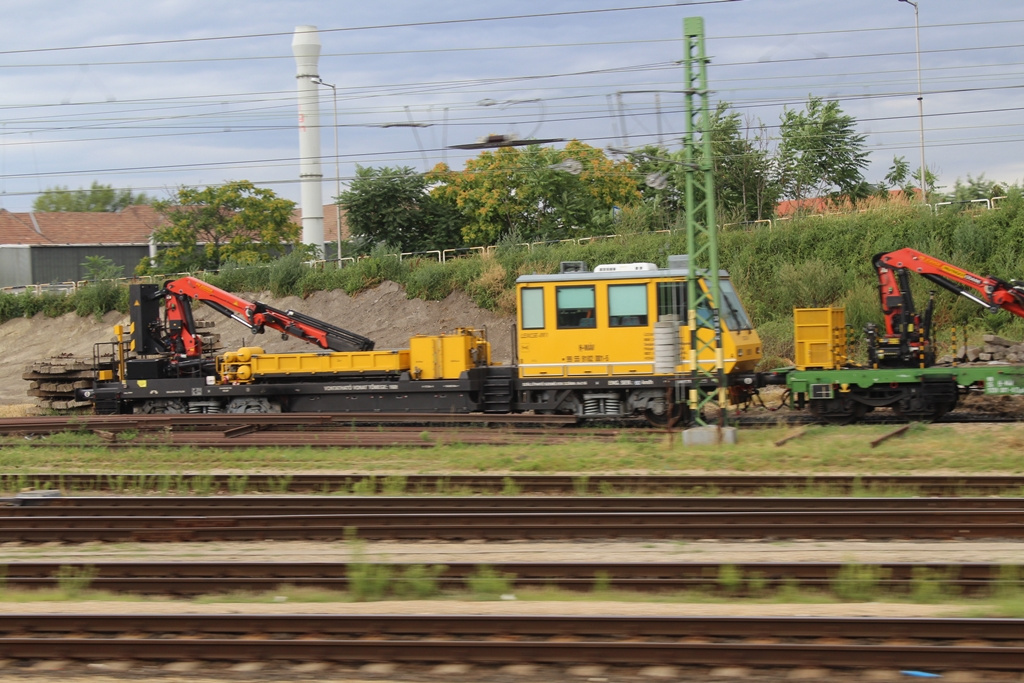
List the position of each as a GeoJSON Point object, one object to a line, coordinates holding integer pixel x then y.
{"type": "Point", "coordinates": [993, 293]}
{"type": "Point", "coordinates": [184, 339]}
{"type": "Point", "coordinates": [907, 338]}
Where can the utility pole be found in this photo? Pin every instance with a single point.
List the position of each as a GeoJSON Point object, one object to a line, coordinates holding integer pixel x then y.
{"type": "Point", "coordinates": [920, 95]}
{"type": "Point", "coordinates": [337, 169]}
{"type": "Point", "coordinates": [706, 380]}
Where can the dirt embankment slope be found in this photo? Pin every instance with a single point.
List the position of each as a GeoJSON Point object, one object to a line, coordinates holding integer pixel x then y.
{"type": "Point", "coordinates": [383, 314]}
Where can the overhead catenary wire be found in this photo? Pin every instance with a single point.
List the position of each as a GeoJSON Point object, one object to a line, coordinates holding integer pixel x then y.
{"type": "Point", "coordinates": [268, 112]}
{"type": "Point", "coordinates": [409, 24]}
{"type": "Point", "coordinates": [441, 50]}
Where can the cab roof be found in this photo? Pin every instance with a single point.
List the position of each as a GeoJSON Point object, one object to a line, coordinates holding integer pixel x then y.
{"type": "Point", "coordinates": [627, 275]}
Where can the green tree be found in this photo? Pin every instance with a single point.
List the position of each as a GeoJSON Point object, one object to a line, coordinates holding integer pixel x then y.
{"type": "Point", "coordinates": [746, 183]}
{"type": "Point", "coordinates": [976, 188]}
{"type": "Point", "coordinates": [394, 206]}
{"type": "Point", "coordinates": [101, 268]}
{"type": "Point", "coordinates": [662, 176]}
{"type": "Point", "coordinates": [96, 198]}
{"type": "Point", "coordinates": [899, 177]}
{"type": "Point", "coordinates": [542, 193]}
{"type": "Point", "coordinates": [820, 153]}
{"type": "Point", "coordinates": [746, 187]}
{"type": "Point", "coordinates": [235, 221]}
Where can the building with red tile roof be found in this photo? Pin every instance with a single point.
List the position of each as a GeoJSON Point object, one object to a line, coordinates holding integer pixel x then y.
{"type": "Point", "coordinates": [45, 247]}
{"type": "Point", "coordinates": [133, 225]}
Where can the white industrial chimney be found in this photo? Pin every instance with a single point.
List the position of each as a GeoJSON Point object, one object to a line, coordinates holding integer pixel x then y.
{"type": "Point", "coordinates": [306, 48]}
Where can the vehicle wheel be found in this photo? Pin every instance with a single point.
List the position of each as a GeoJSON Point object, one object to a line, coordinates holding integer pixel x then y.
{"type": "Point", "coordinates": [253, 405]}
{"type": "Point", "coordinates": [165, 407]}
{"type": "Point", "coordinates": [837, 411]}
{"type": "Point", "coordinates": [926, 413]}
{"type": "Point", "coordinates": [668, 416]}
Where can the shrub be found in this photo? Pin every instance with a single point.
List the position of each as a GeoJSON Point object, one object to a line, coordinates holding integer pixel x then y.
{"type": "Point", "coordinates": [489, 286]}
{"type": "Point", "coordinates": [858, 582]}
{"type": "Point", "coordinates": [285, 274]}
{"type": "Point", "coordinates": [73, 581]}
{"type": "Point", "coordinates": [368, 581]}
{"type": "Point", "coordinates": [487, 583]}
{"type": "Point", "coordinates": [429, 280]}
{"type": "Point", "coordinates": [419, 581]}
{"type": "Point", "coordinates": [95, 298]}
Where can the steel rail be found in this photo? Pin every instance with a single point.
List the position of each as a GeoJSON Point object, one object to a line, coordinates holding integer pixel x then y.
{"type": "Point", "coordinates": [355, 437]}
{"type": "Point", "coordinates": [263, 505]}
{"type": "Point", "coordinates": [62, 423]}
{"type": "Point", "coordinates": [948, 485]}
{"type": "Point", "coordinates": [240, 424]}
{"type": "Point", "coordinates": [198, 578]}
{"type": "Point", "coordinates": [287, 430]}
{"type": "Point", "coordinates": [932, 643]}
{"type": "Point", "coordinates": [874, 524]}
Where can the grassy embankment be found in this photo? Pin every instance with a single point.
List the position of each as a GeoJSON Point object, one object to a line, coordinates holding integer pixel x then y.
{"type": "Point", "coordinates": [815, 261]}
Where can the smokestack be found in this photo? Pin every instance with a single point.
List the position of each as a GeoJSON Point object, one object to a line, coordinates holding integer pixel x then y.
{"type": "Point", "coordinates": [306, 48]}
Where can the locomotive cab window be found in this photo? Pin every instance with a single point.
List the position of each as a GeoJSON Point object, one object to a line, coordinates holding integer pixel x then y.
{"type": "Point", "coordinates": [672, 301]}
{"type": "Point", "coordinates": [532, 306]}
{"type": "Point", "coordinates": [627, 305]}
{"type": "Point", "coordinates": [575, 306]}
{"type": "Point", "coordinates": [735, 317]}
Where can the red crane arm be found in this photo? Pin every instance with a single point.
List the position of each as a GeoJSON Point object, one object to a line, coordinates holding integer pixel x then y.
{"type": "Point", "coordinates": [254, 315]}
{"type": "Point", "coordinates": [992, 292]}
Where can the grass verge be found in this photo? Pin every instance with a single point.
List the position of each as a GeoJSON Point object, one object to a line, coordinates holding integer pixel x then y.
{"type": "Point", "coordinates": [963, 449]}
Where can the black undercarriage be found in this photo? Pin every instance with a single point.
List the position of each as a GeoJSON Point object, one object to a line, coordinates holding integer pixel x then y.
{"type": "Point", "coordinates": [495, 389]}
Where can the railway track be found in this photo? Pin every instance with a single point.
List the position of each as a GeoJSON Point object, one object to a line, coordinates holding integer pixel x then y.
{"type": "Point", "coordinates": [328, 518]}
{"type": "Point", "coordinates": [241, 426]}
{"type": "Point", "coordinates": [474, 484]}
{"type": "Point", "coordinates": [994, 644]}
{"type": "Point", "coordinates": [753, 578]}
{"type": "Point", "coordinates": [234, 432]}
{"type": "Point", "coordinates": [262, 421]}
{"type": "Point", "coordinates": [348, 437]}
{"type": "Point", "coordinates": [174, 506]}
{"type": "Point", "coordinates": [248, 433]}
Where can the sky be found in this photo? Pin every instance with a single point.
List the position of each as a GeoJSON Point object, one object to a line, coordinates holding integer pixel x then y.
{"type": "Point", "coordinates": [161, 94]}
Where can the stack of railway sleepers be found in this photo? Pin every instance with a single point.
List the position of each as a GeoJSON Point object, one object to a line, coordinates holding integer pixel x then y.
{"type": "Point", "coordinates": [52, 382]}
{"type": "Point", "coordinates": [211, 340]}
{"type": "Point", "coordinates": [994, 348]}
{"type": "Point", "coordinates": [997, 348]}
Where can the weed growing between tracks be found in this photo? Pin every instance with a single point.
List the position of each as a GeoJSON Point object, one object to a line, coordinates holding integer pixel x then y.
{"type": "Point", "coordinates": [372, 582]}
{"type": "Point", "coordinates": [967, 449]}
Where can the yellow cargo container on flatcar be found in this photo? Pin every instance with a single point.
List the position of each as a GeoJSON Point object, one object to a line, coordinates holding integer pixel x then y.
{"type": "Point", "coordinates": [623, 320]}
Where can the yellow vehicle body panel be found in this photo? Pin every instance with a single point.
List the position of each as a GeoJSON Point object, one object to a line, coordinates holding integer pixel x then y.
{"type": "Point", "coordinates": [819, 336]}
{"type": "Point", "coordinates": [447, 356]}
{"type": "Point", "coordinates": [285, 364]}
{"type": "Point", "coordinates": [557, 340]}
{"type": "Point", "coordinates": [444, 356]}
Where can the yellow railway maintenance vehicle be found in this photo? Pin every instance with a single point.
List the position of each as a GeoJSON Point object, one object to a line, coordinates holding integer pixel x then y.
{"type": "Point", "coordinates": [612, 342]}
{"type": "Point", "coordinates": [603, 344]}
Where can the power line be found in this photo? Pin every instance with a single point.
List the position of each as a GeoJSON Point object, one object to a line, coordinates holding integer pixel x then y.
{"type": "Point", "coordinates": [443, 50]}
{"type": "Point", "coordinates": [412, 24]}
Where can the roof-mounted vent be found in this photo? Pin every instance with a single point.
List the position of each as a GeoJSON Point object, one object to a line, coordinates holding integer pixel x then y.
{"type": "Point", "coordinates": [573, 267]}
{"type": "Point", "coordinates": [679, 262]}
{"type": "Point", "coordinates": [625, 267]}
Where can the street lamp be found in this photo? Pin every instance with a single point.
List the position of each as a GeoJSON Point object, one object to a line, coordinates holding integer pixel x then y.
{"type": "Point", "coordinates": [920, 94]}
{"type": "Point", "coordinates": [337, 167]}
